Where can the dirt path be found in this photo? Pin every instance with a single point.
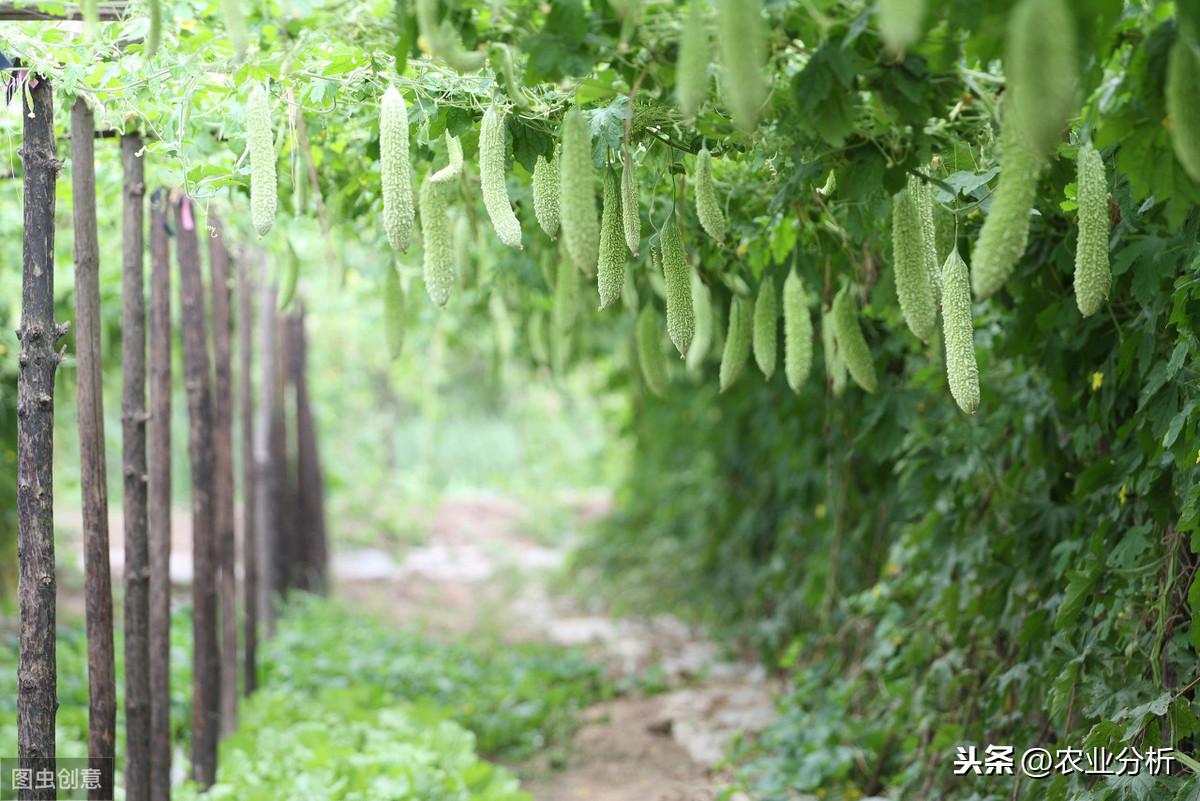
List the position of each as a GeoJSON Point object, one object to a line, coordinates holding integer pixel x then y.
{"type": "Point", "coordinates": [482, 572]}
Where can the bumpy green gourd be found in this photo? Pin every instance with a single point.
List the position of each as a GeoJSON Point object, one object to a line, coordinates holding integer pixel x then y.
{"type": "Point", "coordinates": [957, 329]}
{"type": "Point", "coordinates": [1042, 71]}
{"type": "Point", "coordinates": [737, 342]}
{"type": "Point", "coordinates": [835, 366]}
{"type": "Point", "coordinates": [924, 198]}
{"type": "Point", "coordinates": [154, 34]}
{"type": "Point", "coordinates": [438, 241]}
{"type": "Point", "coordinates": [900, 23]}
{"type": "Point", "coordinates": [91, 19]}
{"type": "Point", "coordinates": [492, 153]}
{"type": "Point", "coordinates": [650, 354]}
{"type": "Point", "coordinates": [235, 26]}
{"type": "Point", "coordinates": [566, 312]}
{"type": "Point", "coordinates": [677, 280]}
{"type": "Point", "coordinates": [851, 344]}
{"type": "Point", "coordinates": [463, 237]}
{"type": "Point", "coordinates": [741, 34]}
{"type": "Point", "coordinates": [1092, 274]}
{"type": "Point", "coordinates": [545, 194]}
{"type": "Point", "coordinates": [913, 282]}
{"type": "Point", "coordinates": [261, 142]}
{"type": "Point", "coordinates": [454, 157]}
{"type": "Point", "coordinates": [708, 208]}
{"type": "Point", "coordinates": [396, 174]}
{"type": "Point", "coordinates": [766, 327]}
{"type": "Point", "coordinates": [393, 312]}
{"type": "Point", "coordinates": [797, 332]}
{"type": "Point", "coordinates": [703, 311]}
{"type": "Point", "coordinates": [1183, 103]}
{"type": "Point", "coordinates": [577, 193]}
{"type": "Point", "coordinates": [610, 269]}
{"type": "Point", "coordinates": [630, 221]}
{"type": "Point", "coordinates": [1005, 232]}
{"type": "Point", "coordinates": [691, 65]}
{"type": "Point", "coordinates": [443, 41]}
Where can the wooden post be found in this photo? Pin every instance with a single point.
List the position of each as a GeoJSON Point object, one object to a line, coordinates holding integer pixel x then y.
{"type": "Point", "coordinates": [266, 471]}
{"type": "Point", "coordinates": [102, 689]}
{"type": "Point", "coordinates": [218, 260]}
{"type": "Point", "coordinates": [159, 517]}
{"type": "Point", "coordinates": [245, 295]}
{"type": "Point", "coordinates": [133, 419]}
{"type": "Point", "coordinates": [37, 699]}
{"type": "Point", "coordinates": [283, 544]}
{"type": "Point", "coordinates": [310, 483]}
{"type": "Point", "coordinates": [206, 662]}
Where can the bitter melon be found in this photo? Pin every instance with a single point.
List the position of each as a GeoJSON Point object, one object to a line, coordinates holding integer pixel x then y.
{"type": "Point", "coordinates": [438, 242]}
{"type": "Point", "coordinates": [737, 342]}
{"type": "Point", "coordinates": [650, 354]}
{"type": "Point", "coordinates": [766, 327]}
{"type": "Point", "coordinates": [741, 34]}
{"type": "Point", "coordinates": [610, 270]}
{"type": "Point", "coordinates": [708, 209]}
{"type": "Point", "coordinates": [492, 152]}
{"type": "Point", "coordinates": [851, 344]}
{"type": "Point", "coordinates": [1042, 71]}
{"type": "Point", "coordinates": [545, 194]}
{"type": "Point", "coordinates": [677, 279]}
{"type": "Point", "coordinates": [962, 373]}
{"type": "Point", "coordinates": [1092, 274]}
{"type": "Point", "coordinates": [630, 220]}
{"type": "Point", "coordinates": [797, 332]}
{"type": "Point", "coordinates": [577, 193]}
{"type": "Point", "coordinates": [1183, 103]}
{"type": "Point", "coordinates": [691, 65]}
{"type": "Point", "coordinates": [913, 279]}
{"type": "Point", "coordinates": [261, 141]}
{"type": "Point", "coordinates": [396, 175]}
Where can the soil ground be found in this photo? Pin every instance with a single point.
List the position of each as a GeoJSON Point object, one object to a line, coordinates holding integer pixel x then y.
{"type": "Point", "coordinates": [484, 571]}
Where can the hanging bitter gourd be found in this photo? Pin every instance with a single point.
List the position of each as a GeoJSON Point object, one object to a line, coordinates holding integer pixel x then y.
{"type": "Point", "coordinates": [797, 332]}
{"type": "Point", "coordinates": [737, 342]}
{"type": "Point", "coordinates": [650, 354]}
{"type": "Point", "coordinates": [1005, 232]}
{"type": "Point", "coordinates": [677, 281]}
{"type": "Point", "coordinates": [261, 141]}
{"type": "Point", "coordinates": [438, 241]}
{"type": "Point", "coordinates": [566, 312]}
{"type": "Point", "coordinates": [492, 153]}
{"type": "Point", "coordinates": [708, 208]}
{"type": "Point", "coordinates": [235, 26]}
{"type": "Point", "coordinates": [396, 175]}
{"type": "Point", "coordinates": [900, 23]}
{"type": "Point", "coordinates": [835, 366]}
{"type": "Point", "coordinates": [962, 373]}
{"type": "Point", "coordinates": [630, 221]}
{"type": "Point", "coordinates": [1092, 273]}
{"type": "Point", "coordinates": [154, 33]}
{"type": "Point", "coordinates": [577, 193]}
{"type": "Point", "coordinates": [1042, 71]}
{"type": "Point", "coordinates": [545, 194]}
{"type": "Point", "coordinates": [766, 327]}
{"type": "Point", "coordinates": [610, 269]}
{"type": "Point", "coordinates": [913, 280]}
{"type": "Point", "coordinates": [702, 310]}
{"type": "Point", "coordinates": [393, 312]}
{"type": "Point", "coordinates": [851, 344]}
{"type": "Point", "coordinates": [741, 34]}
{"type": "Point", "coordinates": [1183, 102]}
{"type": "Point", "coordinates": [691, 65]}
